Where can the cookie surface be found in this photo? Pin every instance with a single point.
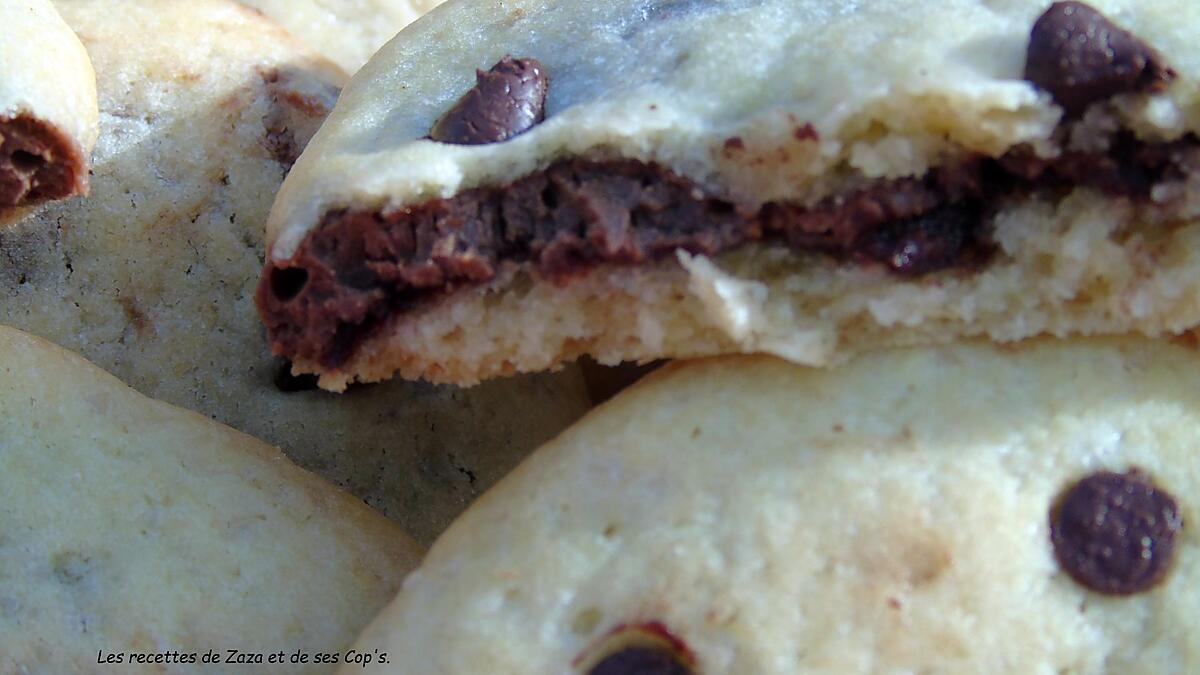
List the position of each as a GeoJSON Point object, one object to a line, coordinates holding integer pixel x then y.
{"type": "Point", "coordinates": [48, 110]}
{"type": "Point", "coordinates": [346, 32]}
{"type": "Point", "coordinates": [691, 178]}
{"type": "Point", "coordinates": [152, 277]}
{"type": "Point", "coordinates": [129, 525]}
{"type": "Point", "coordinates": [906, 512]}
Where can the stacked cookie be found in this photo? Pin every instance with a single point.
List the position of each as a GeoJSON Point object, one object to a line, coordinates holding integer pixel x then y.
{"type": "Point", "coordinates": [807, 182]}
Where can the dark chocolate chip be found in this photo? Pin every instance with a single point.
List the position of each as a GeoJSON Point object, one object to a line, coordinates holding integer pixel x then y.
{"type": "Point", "coordinates": [1081, 57]}
{"type": "Point", "coordinates": [506, 101]}
{"type": "Point", "coordinates": [288, 383]}
{"type": "Point", "coordinates": [924, 244]}
{"type": "Point", "coordinates": [638, 660]}
{"type": "Point", "coordinates": [1115, 533]}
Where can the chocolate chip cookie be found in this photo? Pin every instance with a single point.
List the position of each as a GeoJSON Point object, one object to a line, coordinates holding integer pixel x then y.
{"type": "Point", "coordinates": [638, 179]}
{"type": "Point", "coordinates": [965, 508]}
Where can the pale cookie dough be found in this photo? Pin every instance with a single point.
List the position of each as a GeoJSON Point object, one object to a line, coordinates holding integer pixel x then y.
{"type": "Point", "coordinates": [347, 31]}
{"type": "Point", "coordinates": [129, 525]}
{"type": "Point", "coordinates": [893, 515]}
{"type": "Point", "coordinates": [152, 277]}
{"type": "Point", "coordinates": [787, 176]}
{"type": "Point", "coordinates": [48, 113]}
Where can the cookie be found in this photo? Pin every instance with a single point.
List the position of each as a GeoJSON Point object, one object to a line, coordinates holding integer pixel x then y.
{"type": "Point", "coordinates": [134, 527]}
{"type": "Point", "coordinates": [48, 113]}
{"type": "Point", "coordinates": [690, 178]}
{"type": "Point", "coordinates": [152, 277]}
{"type": "Point", "coordinates": [346, 32]}
{"type": "Point", "coordinates": [964, 508]}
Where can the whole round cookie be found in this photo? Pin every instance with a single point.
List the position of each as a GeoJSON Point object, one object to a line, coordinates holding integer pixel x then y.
{"type": "Point", "coordinates": [509, 185]}
{"type": "Point", "coordinates": [48, 110]}
{"type": "Point", "coordinates": [152, 277]}
{"type": "Point", "coordinates": [136, 537]}
{"type": "Point", "coordinates": [348, 32]}
{"type": "Point", "coordinates": [964, 508]}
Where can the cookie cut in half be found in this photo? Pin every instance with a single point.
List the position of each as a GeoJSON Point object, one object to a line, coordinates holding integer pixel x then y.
{"type": "Point", "coordinates": [48, 112]}
{"type": "Point", "coordinates": [636, 179]}
{"type": "Point", "coordinates": [745, 515]}
{"type": "Point", "coordinates": [152, 277]}
{"type": "Point", "coordinates": [132, 527]}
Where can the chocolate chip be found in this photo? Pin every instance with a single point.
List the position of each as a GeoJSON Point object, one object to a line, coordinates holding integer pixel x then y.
{"type": "Point", "coordinates": [641, 661]}
{"type": "Point", "coordinates": [1115, 533]}
{"type": "Point", "coordinates": [288, 383]}
{"type": "Point", "coordinates": [1080, 57]}
{"type": "Point", "coordinates": [928, 243]}
{"type": "Point", "coordinates": [506, 101]}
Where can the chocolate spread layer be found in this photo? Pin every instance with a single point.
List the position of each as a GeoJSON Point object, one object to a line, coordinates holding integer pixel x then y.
{"type": "Point", "coordinates": [37, 162]}
{"type": "Point", "coordinates": [358, 267]}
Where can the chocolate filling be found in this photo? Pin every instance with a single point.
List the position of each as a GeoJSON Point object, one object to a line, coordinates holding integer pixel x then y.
{"type": "Point", "coordinates": [37, 162]}
{"type": "Point", "coordinates": [358, 267]}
